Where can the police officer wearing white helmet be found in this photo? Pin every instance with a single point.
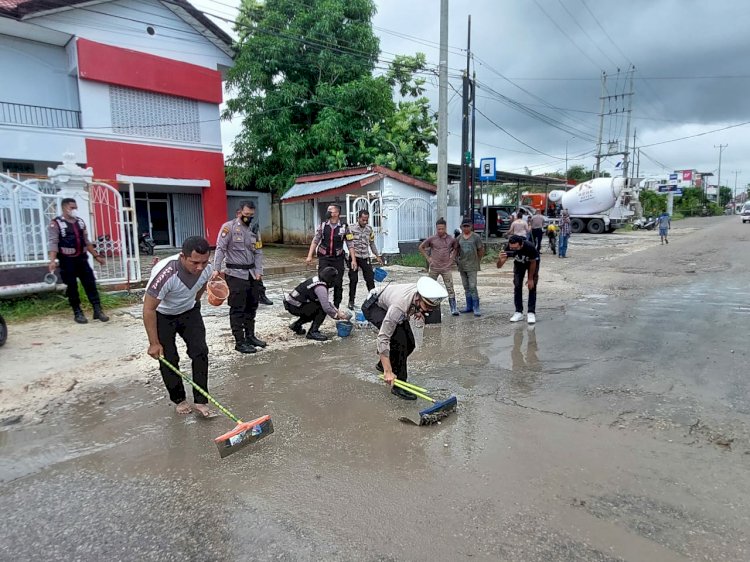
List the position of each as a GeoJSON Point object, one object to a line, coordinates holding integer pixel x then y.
{"type": "Point", "coordinates": [390, 310]}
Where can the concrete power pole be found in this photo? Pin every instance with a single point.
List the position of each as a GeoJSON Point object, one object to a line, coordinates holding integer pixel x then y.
{"type": "Point", "coordinates": [442, 166]}
{"type": "Point", "coordinates": [626, 156]}
{"type": "Point", "coordinates": [721, 148]}
{"type": "Point", "coordinates": [465, 156]}
{"type": "Point", "coordinates": [601, 126]}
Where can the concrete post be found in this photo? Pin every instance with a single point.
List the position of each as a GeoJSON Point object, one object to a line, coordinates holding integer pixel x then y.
{"type": "Point", "coordinates": [390, 221]}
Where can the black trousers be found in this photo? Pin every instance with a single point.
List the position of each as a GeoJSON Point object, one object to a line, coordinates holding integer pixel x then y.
{"type": "Point", "coordinates": [243, 304]}
{"type": "Point", "coordinates": [338, 263]}
{"type": "Point", "coordinates": [363, 265]}
{"type": "Point", "coordinates": [308, 312]}
{"type": "Point", "coordinates": [536, 235]}
{"type": "Point", "coordinates": [73, 269]}
{"type": "Point", "coordinates": [402, 341]}
{"type": "Point", "coordinates": [189, 325]}
{"type": "Point", "coordinates": [519, 272]}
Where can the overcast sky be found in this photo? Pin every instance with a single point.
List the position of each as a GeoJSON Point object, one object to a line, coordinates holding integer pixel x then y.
{"type": "Point", "coordinates": [692, 76]}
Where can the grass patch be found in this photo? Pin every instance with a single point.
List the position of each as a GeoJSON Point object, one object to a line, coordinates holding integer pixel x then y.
{"type": "Point", "coordinates": [410, 260]}
{"type": "Point", "coordinates": [46, 304]}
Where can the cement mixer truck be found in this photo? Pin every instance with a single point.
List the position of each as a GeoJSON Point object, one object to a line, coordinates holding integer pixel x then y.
{"type": "Point", "coordinates": [596, 206]}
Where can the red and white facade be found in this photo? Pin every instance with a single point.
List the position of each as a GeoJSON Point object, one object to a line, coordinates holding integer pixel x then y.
{"type": "Point", "coordinates": [132, 88]}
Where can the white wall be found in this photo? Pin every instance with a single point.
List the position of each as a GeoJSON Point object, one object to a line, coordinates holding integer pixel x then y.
{"type": "Point", "coordinates": [46, 145]}
{"type": "Point", "coordinates": [36, 74]}
{"type": "Point", "coordinates": [111, 23]}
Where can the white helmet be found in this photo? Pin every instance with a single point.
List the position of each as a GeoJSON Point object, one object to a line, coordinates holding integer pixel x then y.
{"type": "Point", "coordinates": [431, 291]}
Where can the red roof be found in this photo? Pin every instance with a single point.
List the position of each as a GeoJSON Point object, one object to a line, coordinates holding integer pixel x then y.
{"type": "Point", "coordinates": [404, 178]}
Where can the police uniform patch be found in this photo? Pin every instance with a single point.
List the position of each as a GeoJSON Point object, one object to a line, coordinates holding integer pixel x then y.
{"type": "Point", "coordinates": [224, 232]}
{"type": "Point", "coordinates": [372, 237]}
{"type": "Point", "coordinates": [258, 245]}
{"type": "Point", "coordinates": [349, 236]}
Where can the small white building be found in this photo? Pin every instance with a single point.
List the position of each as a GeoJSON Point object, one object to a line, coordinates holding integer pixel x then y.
{"type": "Point", "coordinates": [402, 208]}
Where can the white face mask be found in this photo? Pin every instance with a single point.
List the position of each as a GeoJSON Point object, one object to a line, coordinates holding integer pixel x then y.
{"type": "Point", "coordinates": [74, 213]}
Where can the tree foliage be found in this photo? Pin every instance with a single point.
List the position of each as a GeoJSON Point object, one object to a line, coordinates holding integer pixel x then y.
{"type": "Point", "coordinates": [305, 87]}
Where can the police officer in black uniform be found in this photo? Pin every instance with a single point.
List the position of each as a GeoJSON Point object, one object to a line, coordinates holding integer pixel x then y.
{"type": "Point", "coordinates": [328, 243]}
{"type": "Point", "coordinates": [69, 243]}
{"type": "Point", "coordinates": [309, 302]}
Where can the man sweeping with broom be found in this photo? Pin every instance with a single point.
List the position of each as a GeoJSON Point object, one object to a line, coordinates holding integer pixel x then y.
{"type": "Point", "coordinates": [172, 306]}
{"type": "Point", "coordinates": [390, 310]}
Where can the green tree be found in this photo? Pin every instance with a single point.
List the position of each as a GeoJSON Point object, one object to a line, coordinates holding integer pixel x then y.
{"type": "Point", "coordinates": [303, 84]}
{"type": "Point", "coordinates": [580, 174]}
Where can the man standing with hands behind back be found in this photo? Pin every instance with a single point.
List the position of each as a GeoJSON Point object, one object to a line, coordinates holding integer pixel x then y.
{"type": "Point", "coordinates": [443, 249]}
{"type": "Point", "coordinates": [244, 270]}
{"type": "Point", "coordinates": [328, 243]}
{"type": "Point", "coordinates": [363, 242]}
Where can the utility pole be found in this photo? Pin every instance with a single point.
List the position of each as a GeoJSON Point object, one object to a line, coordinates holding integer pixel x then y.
{"type": "Point", "coordinates": [465, 158]}
{"type": "Point", "coordinates": [601, 126]}
{"type": "Point", "coordinates": [473, 139]}
{"type": "Point", "coordinates": [721, 148]}
{"type": "Point", "coordinates": [625, 161]}
{"type": "Point", "coordinates": [442, 167]}
{"type": "Point", "coordinates": [736, 173]}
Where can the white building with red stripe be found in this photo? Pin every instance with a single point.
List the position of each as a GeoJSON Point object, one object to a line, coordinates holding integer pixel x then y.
{"type": "Point", "coordinates": [132, 88]}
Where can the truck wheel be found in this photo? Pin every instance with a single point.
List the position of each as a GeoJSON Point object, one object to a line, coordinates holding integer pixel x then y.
{"type": "Point", "coordinates": [595, 226]}
{"type": "Point", "coordinates": [576, 226]}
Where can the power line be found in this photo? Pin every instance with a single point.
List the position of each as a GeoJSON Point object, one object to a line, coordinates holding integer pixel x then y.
{"type": "Point", "coordinates": [697, 135]}
{"type": "Point", "coordinates": [575, 21]}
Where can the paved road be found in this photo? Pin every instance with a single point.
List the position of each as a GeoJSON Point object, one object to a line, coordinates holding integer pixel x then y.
{"type": "Point", "coordinates": [617, 429]}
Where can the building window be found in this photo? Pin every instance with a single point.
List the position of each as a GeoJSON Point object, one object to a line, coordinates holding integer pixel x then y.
{"type": "Point", "coordinates": [146, 114]}
{"type": "Point", "coordinates": [17, 168]}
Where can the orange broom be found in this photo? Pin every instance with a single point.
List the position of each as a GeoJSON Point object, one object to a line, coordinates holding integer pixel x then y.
{"type": "Point", "coordinates": [241, 436]}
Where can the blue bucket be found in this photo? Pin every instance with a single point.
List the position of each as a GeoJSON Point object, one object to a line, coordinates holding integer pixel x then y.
{"type": "Point", "coordinates": [360, 316]}
{"type": "Point", "coordinates": [344, 328]}
{"type": "Point", "coordinates": [380, 274]}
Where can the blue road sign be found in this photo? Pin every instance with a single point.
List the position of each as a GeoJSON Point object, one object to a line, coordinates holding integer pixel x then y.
{"type": "Point", "coordinates": [487, 169]}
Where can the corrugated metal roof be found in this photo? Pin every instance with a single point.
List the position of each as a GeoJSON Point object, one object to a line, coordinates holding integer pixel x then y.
{"type": "Point", "coordinates": [313, 187]}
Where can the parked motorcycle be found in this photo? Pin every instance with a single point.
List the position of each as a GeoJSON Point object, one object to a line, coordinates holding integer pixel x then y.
{"type": "Point", "coordinates": [644, 223]}
{"type": "Point", "coordinates": [146, 243]}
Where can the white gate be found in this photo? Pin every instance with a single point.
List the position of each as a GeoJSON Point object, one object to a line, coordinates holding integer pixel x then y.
{"type": "Point", "coordinates": [373, 204]}
{"type": "Point", "coordinates": [415, 219]}
{"type": "Point", "coordinates": [28, 207]}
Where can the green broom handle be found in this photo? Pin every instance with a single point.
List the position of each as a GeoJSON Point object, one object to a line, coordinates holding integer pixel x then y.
{"type": "Point", "coordinates": [210, 398]}
{"type": "Point", "coordinates": [400, 384]}
{"type": "Point", "coordinates": [413, 386]}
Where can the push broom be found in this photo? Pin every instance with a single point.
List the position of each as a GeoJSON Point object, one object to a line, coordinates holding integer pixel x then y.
{"type": "Point", "coordinates": [241, 436]}
{"type": "Point", "coordinates": [440, 408]}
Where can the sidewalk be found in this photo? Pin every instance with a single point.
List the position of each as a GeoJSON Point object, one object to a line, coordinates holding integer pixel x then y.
{"type": "Point", "coordinates": [277, 260]}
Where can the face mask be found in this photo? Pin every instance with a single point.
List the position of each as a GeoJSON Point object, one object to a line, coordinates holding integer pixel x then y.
{"type": "Point", "coordinates": [245, 220]}
{"type": "Point", "coordinates": [328, 215]}
{"type": "Point", "coordinates": [74, 213]}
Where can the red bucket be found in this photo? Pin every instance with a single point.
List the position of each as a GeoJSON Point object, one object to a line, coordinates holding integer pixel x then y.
{"type": "Point", "coordinates": [218, 291]}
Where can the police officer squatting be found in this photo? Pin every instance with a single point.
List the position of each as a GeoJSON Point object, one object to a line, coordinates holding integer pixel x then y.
{"type": "Point", "coordinates": [328, 244]}
{"type": "Point", "coordinates": [172, 306]}
{"type": "Point", "coordinates": [390, 310]}
{"type": "Point", "coordinates": [70, 245]}
{"type": "Point", "coordinates": [309, 302]}
{"type": "Point", "coordinates": [363, 242]}
{"type": "Point", "coordinates": [243, 272]}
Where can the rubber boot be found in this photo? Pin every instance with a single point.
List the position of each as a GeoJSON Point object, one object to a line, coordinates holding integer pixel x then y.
{"type": "Point", "coordinates": [241, 344]}
{"type": "Point", "coordinates": [454, 308]}
{"type": "Point", "coordinates": [99, 314]}
{"type": "Point", "coordinates": [469, 305]}
{"type": "Point", "coordinates": [250, 335]}
{"type": "Point", "coordinates": [79, 317]}
{"type": "Point", "coordinates": [314, 332]}
{"type": "Point", "coordinates": [477, 311]}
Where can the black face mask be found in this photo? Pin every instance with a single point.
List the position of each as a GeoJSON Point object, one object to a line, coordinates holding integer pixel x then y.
{"type": "Point", "coordinates": [328, 215]}
{"type": "Point", "coordinates": [246, 220]}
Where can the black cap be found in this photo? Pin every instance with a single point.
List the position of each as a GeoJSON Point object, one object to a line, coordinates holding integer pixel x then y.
{"type": "Point", "coordinates": [466, 221]}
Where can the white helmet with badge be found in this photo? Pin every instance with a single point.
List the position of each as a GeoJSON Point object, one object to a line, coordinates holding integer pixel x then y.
{"type": "Point", "coordinates": [431, 291]}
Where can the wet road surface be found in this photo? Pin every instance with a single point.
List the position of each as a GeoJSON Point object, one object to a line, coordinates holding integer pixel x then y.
{"type": "Point", "coordinates": [616, 429]}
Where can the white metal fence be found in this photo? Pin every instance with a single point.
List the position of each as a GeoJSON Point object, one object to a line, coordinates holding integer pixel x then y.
{"type": "Point", "coordinates": [416, 219]}
{"type": "Point", "coordinates": [28, 207]}
{"type": "Point", "coordinates": [373, 204]}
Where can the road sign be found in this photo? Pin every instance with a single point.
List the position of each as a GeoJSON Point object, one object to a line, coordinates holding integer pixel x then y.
{"type": "Point", "coordinates": [487, 169]}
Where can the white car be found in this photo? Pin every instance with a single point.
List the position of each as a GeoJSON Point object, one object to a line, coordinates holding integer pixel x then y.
{"type": "Point", "coordinates": [746, 213]}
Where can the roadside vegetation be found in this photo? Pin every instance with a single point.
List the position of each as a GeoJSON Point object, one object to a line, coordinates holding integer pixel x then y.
{"type": "Point", "coordinates": [46, 304]}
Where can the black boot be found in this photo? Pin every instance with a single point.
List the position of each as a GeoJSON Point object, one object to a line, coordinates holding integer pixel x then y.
{"type": "Point", "coordinates": [262, 298]}
{"type": "Point", "coordinates": [403, 394]}
{"type": "Point", "coordinates": [99, 314]}
{"type": "Point", "coordinates": [244, 347]}
{"type": "Point", "coordinates": [314, 332]}
{"type": "Point", "coordinates": [297, 328]}
{"type": "Point", "coordinates": [351, 305]}
{"type": "Point", "coordinates": [250, 335]}
{"type": "Point", "coordinates": [79, 317]}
